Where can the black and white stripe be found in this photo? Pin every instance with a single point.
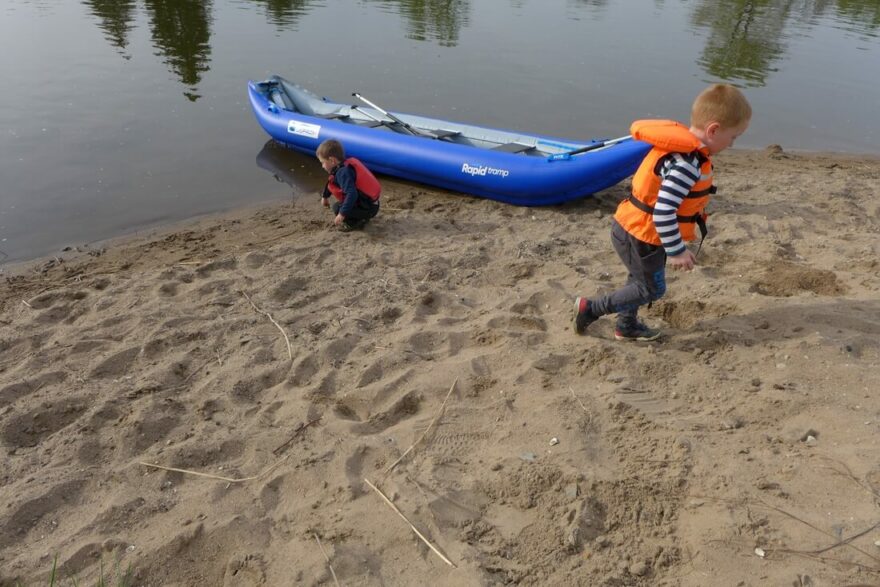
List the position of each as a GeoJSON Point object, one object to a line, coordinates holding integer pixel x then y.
{"type": "Point", "coordinates": [678, 174]}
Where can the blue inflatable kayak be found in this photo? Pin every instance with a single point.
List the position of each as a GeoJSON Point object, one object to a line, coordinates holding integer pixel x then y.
{"type": "Point", "coordinates": [517, 168]}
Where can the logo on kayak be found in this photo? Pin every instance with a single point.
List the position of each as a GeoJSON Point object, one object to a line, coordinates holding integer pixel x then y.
{"type": "Point", "coordinates": [483, 170]}
{"type": "Point", "coordinates": [303, 129]}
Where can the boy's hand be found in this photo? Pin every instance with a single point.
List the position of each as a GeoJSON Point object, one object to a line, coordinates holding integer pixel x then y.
{"type": "Point", "coordinates": [338, 220]}
{"type": "Point", "coordinates": [685, 260]}
{"type": "Point", "coordinates": [325, 201]}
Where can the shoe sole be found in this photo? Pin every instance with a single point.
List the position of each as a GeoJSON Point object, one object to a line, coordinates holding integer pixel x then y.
{"type": "Point", "coordinates": [577, 312]}
{"type": "Point", "coordinates": [638, 338]}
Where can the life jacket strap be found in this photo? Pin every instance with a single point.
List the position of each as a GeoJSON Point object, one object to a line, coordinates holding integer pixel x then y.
{"type": "Point", "coordinates": [699, 219]}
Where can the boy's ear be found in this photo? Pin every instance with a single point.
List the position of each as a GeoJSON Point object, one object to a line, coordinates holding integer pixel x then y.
{"type": "Point", "coordinates": [712, 128]}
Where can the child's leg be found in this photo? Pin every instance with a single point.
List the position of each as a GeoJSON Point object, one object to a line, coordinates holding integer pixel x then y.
{"type": "Point", "coordinates": [646, 281]}
{"type": "Point", "coordinates": [364, 209]}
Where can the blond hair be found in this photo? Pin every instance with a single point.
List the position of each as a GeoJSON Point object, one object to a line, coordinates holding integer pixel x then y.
{"type": "Point", "coordinates": [331, 148]}
{"type": "Point", "coordinates": [721, 103]}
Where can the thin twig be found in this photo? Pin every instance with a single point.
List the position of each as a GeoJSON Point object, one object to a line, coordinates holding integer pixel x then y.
{"type": "Point", "coordinates": [845, 540]}
{"type": "Point", "coordinates": [425, 433]}
{"type": "Point", "coordinates": [218, 477]}
{"type": "Point", "coordinates": [414, 529]}
{"type": "Point", "coordinates": [332, 572]}
{"type": "Point", "coordinates": [296, 433]}
{"type": "Point", "coordinates": [761, 503]}
{"type": "Point", "coordinates": [847, 472]}
{"type": "Point", "coordinates": [578, 400]}
{"type": "Point", "coordinates": [268, 315]}
{"type": "Point", "coordinates": [792, 516]}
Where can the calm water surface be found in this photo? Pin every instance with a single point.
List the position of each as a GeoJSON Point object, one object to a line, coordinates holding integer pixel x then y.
{"type": "Point", "coordinates": [119, 115]}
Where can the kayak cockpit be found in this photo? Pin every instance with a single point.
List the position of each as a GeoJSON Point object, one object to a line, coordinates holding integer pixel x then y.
{"type": "Point", "coordinates": [285, 95]}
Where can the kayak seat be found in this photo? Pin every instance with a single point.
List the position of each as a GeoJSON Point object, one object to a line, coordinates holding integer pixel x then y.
{"type": "Point", "coordinates": [444, 134]}
{"type": "Point", "coordinates": [513, 148]}
{"type": "Point", "coordinates": [370, 123]}
{"type": "Point", "coordinates": [334, 116]}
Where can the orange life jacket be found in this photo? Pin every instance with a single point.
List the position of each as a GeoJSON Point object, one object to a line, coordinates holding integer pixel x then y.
{"type": "Point", "coordinates": [365, 181]}
{"type": "Point", "coordinates": [635, 213]}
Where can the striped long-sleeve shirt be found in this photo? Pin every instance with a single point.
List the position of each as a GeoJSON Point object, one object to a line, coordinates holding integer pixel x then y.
{"type": "Point", "coordinates": [678, 174]}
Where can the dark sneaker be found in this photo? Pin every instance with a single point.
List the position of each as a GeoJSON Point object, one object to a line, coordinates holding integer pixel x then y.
{"type": "Point", "coordinates": [636, 331]}
{"type": "Point", "coordinates": [349, 225]}
{"type": "Point", "coordinates": [584, 317]}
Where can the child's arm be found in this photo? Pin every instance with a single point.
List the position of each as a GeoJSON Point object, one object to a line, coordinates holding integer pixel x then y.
{"type": "Point", "coordinates": [678, 172]}
{"type": "Point", "coordinates": [346, 179]}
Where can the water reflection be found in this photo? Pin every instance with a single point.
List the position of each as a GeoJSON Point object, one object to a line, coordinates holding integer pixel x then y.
{"type": "Point", "coordinates": [181, 32]}
{"type": "Point", "coordinates": [297, 170]}
{"type": "Point", "coordinates": [285, 14]}
{"type": "Point", "coordinates": [858, 16]}
{"type": "Point", "coordinates": [432, 20]}
{"type": "Point", "coordinates": [115, 18]}
{"type": "Point", "coordinates": [747, 37]}
{"type": "Point", "coordinates": [744, 38]}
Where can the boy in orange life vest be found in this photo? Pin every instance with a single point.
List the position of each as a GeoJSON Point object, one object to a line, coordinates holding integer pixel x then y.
{"type": "Point", "coordinates": [355, 189]}
{"type": "Point", "coordinates": [670, 191]}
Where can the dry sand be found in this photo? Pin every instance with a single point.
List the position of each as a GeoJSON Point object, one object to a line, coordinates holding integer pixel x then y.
{"type": "Point", "coordinates": [740, 450]}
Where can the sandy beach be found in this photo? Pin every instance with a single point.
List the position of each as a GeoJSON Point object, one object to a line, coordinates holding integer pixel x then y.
{"type": "Point", "coordinates": [326, 398]}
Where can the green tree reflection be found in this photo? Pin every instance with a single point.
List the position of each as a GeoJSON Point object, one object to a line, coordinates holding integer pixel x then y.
{"type": "Point", "coordinates": [285, 14]}
{"type": "Point", "coordinates": [744, 38]}
{"type": "Point", "coordinates": [437, 20]}
{"type": "Point", "coordinates": [181, 33]}
{"type": "Point", "coordinates": [116, 18]}
{"type": "Point", "coordinates": [861, 16]}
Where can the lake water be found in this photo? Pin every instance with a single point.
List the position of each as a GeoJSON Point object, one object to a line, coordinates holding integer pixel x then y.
{"type": "Point", "coordinates": [118, 115]}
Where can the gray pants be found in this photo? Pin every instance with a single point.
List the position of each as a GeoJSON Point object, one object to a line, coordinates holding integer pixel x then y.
{"type": "Point", "coordinates": [646, 282]}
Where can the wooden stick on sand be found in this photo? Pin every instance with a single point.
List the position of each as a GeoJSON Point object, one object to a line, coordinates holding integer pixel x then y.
{"type": "Point", "coordinates": [414, 529]}
{"type": "Point", "coordinates": [268, 315]}
{"type": "Point", "coordinates": [425, 433]}
{"type": "Point", "coordinates": [218, 477]}
{"type": "Point", "coordinates": [332, 572]}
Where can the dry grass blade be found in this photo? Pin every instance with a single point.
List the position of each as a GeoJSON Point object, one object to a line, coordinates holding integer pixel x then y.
{"type": "Point", "coordinates": [813, 554]}
{"type": "Point", "coordinates": [414, 529]}
{"type": "Point", "coordinates": [425, 433]}
{"type": "Point", "coordinates": [578, 400]}
{"type": "Point", "coordinates": [848, 474]}
{"type": "Point", "coordinates": [327, 558]}
{"type": "Point", "coordinates": [269, 316]}
{"type": "Point", "coordinates": [265, 472]}
{"type": "Point", "coordinates": [296, 433]}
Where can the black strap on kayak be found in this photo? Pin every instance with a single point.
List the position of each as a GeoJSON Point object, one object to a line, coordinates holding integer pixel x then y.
{"type": "Point", "coordinates": [699, 219]}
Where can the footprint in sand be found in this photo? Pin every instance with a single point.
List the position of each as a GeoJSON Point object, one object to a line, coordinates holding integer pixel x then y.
{"type": "Point", "coordinates": [15, 391]}
{"type": "Point", "coordinates": [245, 571]}
{"type": "Point", "coordinates": [116, 365]}
{"type": "Point", "coordinates": [32, 427]}
{"type": "Point", "coordinates": [220, 265]}
{"type": "Point", "coordinates": [251, 390]}
{"type": "Point", "coordinates": [31, 513]}
{"type": "Point", "coordinates": [405, 407]}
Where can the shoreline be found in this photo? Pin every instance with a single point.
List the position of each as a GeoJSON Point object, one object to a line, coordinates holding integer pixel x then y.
{"type": "Point", "coordinates": [78, 250]}
{"type": "Point", "coordinates": [432, 355]}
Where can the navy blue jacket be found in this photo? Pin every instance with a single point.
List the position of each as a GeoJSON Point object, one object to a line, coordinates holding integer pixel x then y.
{"type": "Point", "coordinates": [346, 178]}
